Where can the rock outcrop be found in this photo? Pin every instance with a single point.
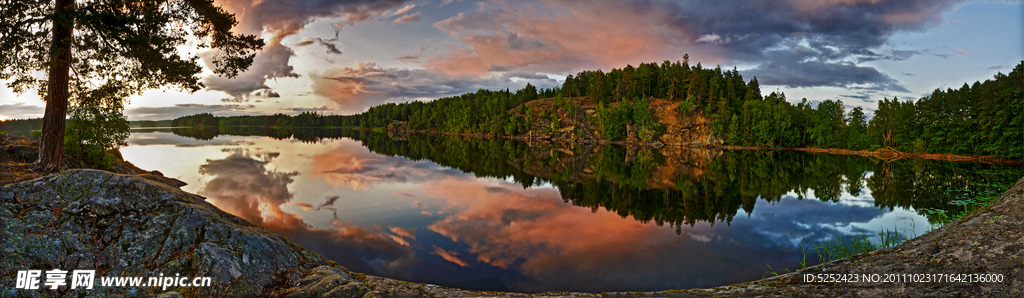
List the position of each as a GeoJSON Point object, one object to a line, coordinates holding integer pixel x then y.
{"type": "Point", "coordinates": [127, 226]}
{"type": "Point", "coordinates": [560, 123]}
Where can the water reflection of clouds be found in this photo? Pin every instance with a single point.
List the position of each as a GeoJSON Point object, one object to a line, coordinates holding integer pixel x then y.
{"type": "Point", "coordinates": [357, 167]}
{"type": "Point", "coordinates": [557, 245]}
{"type": "Point", "coordinates": [808, 221]}
{"type": "Point", "coordinates": [243, 186]}
{"type": "Point", "coordinates": [494, 228]}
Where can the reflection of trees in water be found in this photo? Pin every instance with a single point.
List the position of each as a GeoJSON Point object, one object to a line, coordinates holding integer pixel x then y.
{"type": "Point", "coordinates": [934, 184]}
{"type": "Point", "coordinates": [306, 135]}
{"type": "Point", "coordinates": [198, 133]}
{"type": "Point", "coordinates": [676, 185]}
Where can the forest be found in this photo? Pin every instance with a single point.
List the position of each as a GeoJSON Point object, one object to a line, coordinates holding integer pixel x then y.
{"type": "Point", "coordinates": [21, 124]}
{"type": "Point", "coordinates": [980, 119]}
{"type": "Point", "coordinates": [305, 119]}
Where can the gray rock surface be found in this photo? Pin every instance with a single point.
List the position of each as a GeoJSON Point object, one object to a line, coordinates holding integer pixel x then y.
{"type": "Point", "coordinates": [126, 226]}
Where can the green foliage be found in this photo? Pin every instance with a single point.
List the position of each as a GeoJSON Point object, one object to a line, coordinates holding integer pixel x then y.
{"type": "Point", "coordinates": [96, 127]}
{"type": "Point", "coordinates": [686, 106]}
{"type": "Point", "coordinates": [37, 133]}
{"type": "Point", "coordinates": [21, 124]}
{"type": "Point", "coordinates": [133, 49]}
{"type": "Point", "coordinates": [856, 132]}
{"type": "Point", "coordinates": [963, 206]}
{"type": "Point", "coordinates": [613, 120]}
{"type": "Point", "coordinates": [642, 118]}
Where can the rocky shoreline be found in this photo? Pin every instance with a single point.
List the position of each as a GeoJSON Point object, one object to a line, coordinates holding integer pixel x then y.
{"type": "Point", "coordinates": [124, 225]}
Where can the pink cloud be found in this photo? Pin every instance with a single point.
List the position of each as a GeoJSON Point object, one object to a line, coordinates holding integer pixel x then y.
{"type": "Point", "coordinates": [450, 256]}
{"type": "Point", "coordinates": [503, 228]}
{"type": "Point", "coordinates": [553, 36]}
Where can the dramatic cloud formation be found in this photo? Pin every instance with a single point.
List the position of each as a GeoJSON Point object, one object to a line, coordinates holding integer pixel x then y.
{"type": "Point", "coordinates": [812, 43]}
{"type": "Point", "coordinates": [270, 63]}
{"type": "Point", "coordinates": [557, 37]}
{"type": "Point", "coordinates": [241, 185]}
{"type": "Point", "coordinates": [282, 18]}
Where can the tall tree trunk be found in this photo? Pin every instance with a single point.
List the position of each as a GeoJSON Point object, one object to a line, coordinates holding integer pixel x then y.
{"type": "Point", "coordinates": [52, 143]}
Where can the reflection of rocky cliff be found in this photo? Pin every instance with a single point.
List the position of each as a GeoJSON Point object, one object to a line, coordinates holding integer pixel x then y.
{"type": "Point", "coordinates": [729, 180]}
{"type": "Point", "coordinates": [646, 167]}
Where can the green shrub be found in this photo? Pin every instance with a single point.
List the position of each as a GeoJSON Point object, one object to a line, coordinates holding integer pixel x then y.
{"type": "Point", "coordinates": [96, 127]}
{"type": "Point", "coordinates": [919, 145]}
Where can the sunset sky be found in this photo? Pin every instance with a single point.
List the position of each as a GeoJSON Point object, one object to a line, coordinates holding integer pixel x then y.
{"type": "Point", "coordinates": [342, 57]}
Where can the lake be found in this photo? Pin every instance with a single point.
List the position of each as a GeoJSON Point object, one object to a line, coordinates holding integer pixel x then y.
{"type": "Point", "coordinates": [509, 216]}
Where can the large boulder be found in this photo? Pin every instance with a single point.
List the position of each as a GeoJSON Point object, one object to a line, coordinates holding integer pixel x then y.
{"type": "Point", "coordinates": [131, 227]}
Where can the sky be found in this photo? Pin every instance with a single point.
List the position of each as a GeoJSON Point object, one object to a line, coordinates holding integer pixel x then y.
{"type": "Point", "coordinates": [344, 56]}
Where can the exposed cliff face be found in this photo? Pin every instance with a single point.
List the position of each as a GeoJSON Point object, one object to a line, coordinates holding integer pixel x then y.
{"type": "Point", "coordinates": [693, 129]}
{"type": "Point", "coordinates": [551, 121]}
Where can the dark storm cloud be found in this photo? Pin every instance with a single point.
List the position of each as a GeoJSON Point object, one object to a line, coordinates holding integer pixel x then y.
{"type": "Point", "coordinates": [818, 39]}
{"type": "Point", "coordinates": [178, 110]}
{"type": "Point", "coordinates": [793, 73]}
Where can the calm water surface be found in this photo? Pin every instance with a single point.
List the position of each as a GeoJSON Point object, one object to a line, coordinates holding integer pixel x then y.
{"type": "Point", "coordinates": [497, 215]}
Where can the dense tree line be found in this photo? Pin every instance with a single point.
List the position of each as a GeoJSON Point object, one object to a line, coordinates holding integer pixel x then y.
{"type": "Point", "coordinates": [984, 118]}
{"type": "Point", "coordinates": [305, 119]}
{"type": "Point", "coordinates": [21, 124]}
{"type": "Point", "coordinates": [981, 119]}
{"type": "Point", "coordinates": [483, 111]}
